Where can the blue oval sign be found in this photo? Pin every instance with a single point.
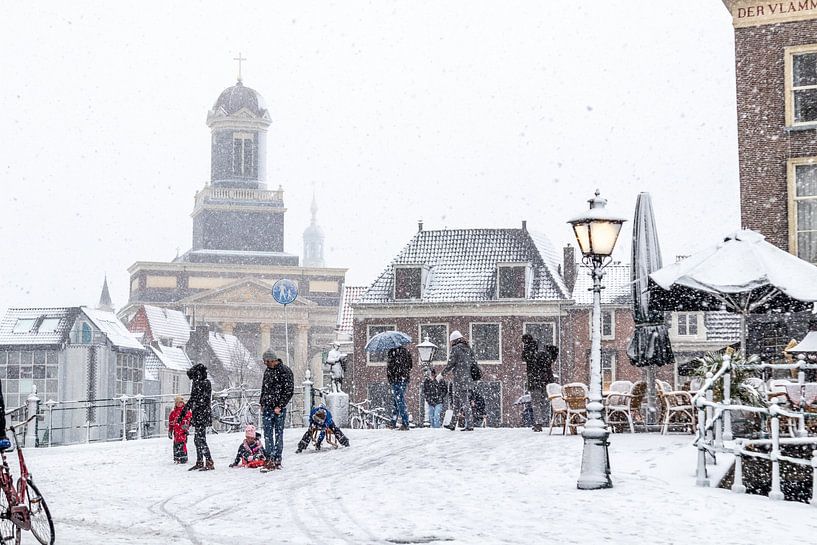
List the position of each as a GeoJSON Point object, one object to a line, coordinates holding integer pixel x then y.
{"type": "Point", "coordinates": [284, 291]}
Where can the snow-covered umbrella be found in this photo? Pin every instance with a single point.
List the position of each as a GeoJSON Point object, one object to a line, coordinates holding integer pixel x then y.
{"type": "Point", "coordinates": [386, 340]}
{"type": "Point", "coordinates": [650, 345]}
{"type": "Point", "coordinates": [742, 274]}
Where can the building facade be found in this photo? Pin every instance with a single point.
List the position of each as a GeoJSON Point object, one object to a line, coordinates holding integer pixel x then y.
{"type": "Point", "coordinates": [776, 75]}
{"type": "Point", "coordinates": [492, 285]}
{"type": "Point", "coordinates": [225, 280]}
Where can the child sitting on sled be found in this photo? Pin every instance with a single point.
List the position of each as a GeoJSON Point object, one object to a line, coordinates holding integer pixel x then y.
{"type": "Point", "coordinates": [320, 420]}
{"type": "Point", "coordinates": [250, 452]}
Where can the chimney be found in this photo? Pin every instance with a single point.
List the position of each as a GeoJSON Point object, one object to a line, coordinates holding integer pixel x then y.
{"type": "Point", "coordinates": [570, 270]}
{"type": "Point", "coordinates": [524, 225]}
{"type": "Point", "coordinates": [420, 226]}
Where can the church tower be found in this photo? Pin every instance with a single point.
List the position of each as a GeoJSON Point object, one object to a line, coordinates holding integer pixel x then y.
{"type": "Point", "coordinates": [313, 240]}
{"type": "Point", "coordinates": [105, 302]}
{"type": "Point", "coordinates": [236, 219]}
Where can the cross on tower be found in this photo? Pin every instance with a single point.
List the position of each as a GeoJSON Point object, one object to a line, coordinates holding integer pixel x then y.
{"type": "Point", "coordinates": [239, 59]}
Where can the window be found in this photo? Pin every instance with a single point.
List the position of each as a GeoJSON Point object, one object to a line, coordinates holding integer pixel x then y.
{"type": "Point", "coordinates": [688, 324]}
{"type": "Point", "coordinates": [23, 325]}
{"type": "Point", "coordinates": [175, 388]}
{"type": "Point", "coordinates": [802, 174]}
{"type": "Point", "coordinates": [408, 282]}
{"type": "Point", "coordinates": [608, 324]}
{"type": "Point", "coordinates": [512, 281]}
{"type": "Point", "coordinates": [438, 334]}
{"type": "Point", "coordinates": [128, 374]}
{"type": "Point", "coordinates": [608, 367]}
{"type": "Point", "coordinates": [801, 85]}
{"type": "Point", "coordinates": [485, 341]}
{"type": "Point", "coordinates": [543, 333]}
{"type": "Point", "coordinates": [244, 155]}
{"type": "Point", "coordinates": [49, 325]}
{"type": "Point", "coordinates": [377, 357]}
{"type": "Point", "coordinates": [87, 335]}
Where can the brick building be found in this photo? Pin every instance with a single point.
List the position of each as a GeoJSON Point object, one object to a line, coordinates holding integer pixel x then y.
{"type": "Point", "coordinates": [492, 285]}
{"type": "Point", "coordinates": [776, 73]}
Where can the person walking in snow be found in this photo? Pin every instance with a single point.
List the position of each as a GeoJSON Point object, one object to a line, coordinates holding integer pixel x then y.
{"type": "Point", "coordinates": [435, 390]}
{"type": "Point", "coordinates": [539, 375]}
{"type": "Point", "coordinates": [250, 451]}
{"type": "Point", "coordinates": [199, 404]}
{"type": "Point", "coordinates": [277, 388]}
{"type": "Point", "coordinates": [398, 372]}
{"type": "Point", "coordinates": [320, 420]}
{"type": "Point", "coordinates": [179, 431]}
{"type": "Point", "coordinates": [460, 359]}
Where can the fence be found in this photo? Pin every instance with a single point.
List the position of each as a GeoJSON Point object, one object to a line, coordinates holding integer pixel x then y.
{"type": "Point", "coordinates": [715, 427]}
{"type": "Point", "coordinates": [142, 416]}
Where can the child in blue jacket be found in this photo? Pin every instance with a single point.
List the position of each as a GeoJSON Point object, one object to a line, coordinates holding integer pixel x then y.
{"type": "Point", "coordinates": [320, 419]}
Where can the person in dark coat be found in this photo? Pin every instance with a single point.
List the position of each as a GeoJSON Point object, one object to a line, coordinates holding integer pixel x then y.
{"type": "Point", "coordinates": [398, 372]}
{"type": "Point", "coordinates": [276, 391]}
{"type": "Point", "coordinates": [435, 390]}
{"type": "Point", "coordinates": [460, 358]}
{"type": "Point", "coordinates": [540, 374]}
{"type": "Point", "coordinates": [199, 404]}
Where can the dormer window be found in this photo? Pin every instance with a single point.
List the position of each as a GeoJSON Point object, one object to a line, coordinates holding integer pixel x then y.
{"type": "Point", "coordinates": [513, 280]}
{"type": "Point", "coordinates": [23, 325]}
{"type": "Point", "coordinates": [244, 155]}
{"type": "Point", "coordinates": [408, 282]}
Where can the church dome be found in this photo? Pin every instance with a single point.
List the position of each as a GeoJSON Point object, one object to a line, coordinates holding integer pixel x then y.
{"type": "Point", "coordinates": [234, 98]}
{"type": "Point", "coordinates": [313, 232]}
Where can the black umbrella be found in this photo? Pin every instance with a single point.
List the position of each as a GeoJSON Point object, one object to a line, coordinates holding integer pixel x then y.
{"type": "Point", "coordinates": [650, 345]}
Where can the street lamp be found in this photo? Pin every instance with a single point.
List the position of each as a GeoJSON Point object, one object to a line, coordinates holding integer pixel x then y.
{"type": "Point", "coordinates": [426, 349]}
{"type": "Point", "coordinates": [596, 231]}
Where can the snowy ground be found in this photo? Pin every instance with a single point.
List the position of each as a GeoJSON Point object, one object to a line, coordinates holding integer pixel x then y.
{"type": "Point", "coordinates": [423, 486]}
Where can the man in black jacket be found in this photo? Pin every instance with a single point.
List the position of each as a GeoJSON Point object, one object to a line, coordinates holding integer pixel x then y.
{"type": "Point", "coordinates": [540, 374]}
{"type": "Point", "coordinates": [398, 371]}
{"type": "Point", "coordinates": [276, 391]}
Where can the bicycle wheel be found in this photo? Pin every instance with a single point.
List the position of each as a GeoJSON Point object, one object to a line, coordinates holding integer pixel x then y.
{"type": "Point", "coordinates": [252, 415]}
{"type": "Point", "coordinates": [41, 524]}
{"type": "Point", "coordinates": [221, 417]}
{"type": "Point", "coordinates": [7, 532]}
{"type": "Point", "coordinates": [356, 423]}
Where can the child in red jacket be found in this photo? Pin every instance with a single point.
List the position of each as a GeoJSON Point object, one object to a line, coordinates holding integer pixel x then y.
{"type": "Point", "coordinates": [178, 431]}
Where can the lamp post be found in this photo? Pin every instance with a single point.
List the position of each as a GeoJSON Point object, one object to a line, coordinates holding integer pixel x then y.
{"type": "Point", "coordinates": [426, 349]}
{"type": "Point", "coordinates": [596, 231]}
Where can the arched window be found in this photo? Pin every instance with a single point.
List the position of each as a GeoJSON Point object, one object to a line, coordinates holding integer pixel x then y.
{"type": "Point", "coordinates": [87, 335]}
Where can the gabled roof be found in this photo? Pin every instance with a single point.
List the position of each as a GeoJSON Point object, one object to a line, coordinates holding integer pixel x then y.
{"type": "Point", "coordinates": [113, 329]}
{"type": "Point", "coordinates": [229, 351]}
{"type": "Point", "coordinates": [242, 290]}
{"type": "Point", "coordinates": [462, 265]}
{"type": "Point", "coordinates": [27, 326]}
{"type": "Point", "coordinates": [171, 357]}
{"type": "Point", "coordinates": [617, 285]}
{"type": "Point", "coordinates": [345, 314]}
{"type": "Point", "coordinates": [168, 324]}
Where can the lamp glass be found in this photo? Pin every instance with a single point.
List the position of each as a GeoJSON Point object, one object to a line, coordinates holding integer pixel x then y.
{"type": "Point", "coordinates": [603, 237]}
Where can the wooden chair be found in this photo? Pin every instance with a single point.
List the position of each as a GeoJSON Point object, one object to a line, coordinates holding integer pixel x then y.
{"type": "Point", "coordinates": [575, 396]}
{"type": "Point", "coordinates": [619, 402]}
{"type": "Point", "coordinates": [677, 406]}
{"type": "Point", "coordinates": [639, 393]}
{"type": "Point", "coordinates": [558, 407]}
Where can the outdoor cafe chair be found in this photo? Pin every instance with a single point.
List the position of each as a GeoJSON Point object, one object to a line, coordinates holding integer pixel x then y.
{"type": "Point", "coordinates": [558, 407]}
{"type": "Point", "coordinates": [575, 396]}
{"type": "Point", "coordinates": [678, 408]}
{"type": "Point", "coordinates": [638, 393]}
{"type": "Point", "coordinates": [619, 402]}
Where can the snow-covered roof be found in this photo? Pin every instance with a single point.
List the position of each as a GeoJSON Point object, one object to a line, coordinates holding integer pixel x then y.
{"type": "Point", "coordinates": [171, 357]}
{"type": "Point", "coordinates": [462, 265]}
{"type": "Point", "coordinates": [345, 313]}
{"type": "Point", "coordinates": [112, 328]}
{"type": "Point", "coordinates": [167, 323]}
{"type": "Point", "coordinates": [229, 351]}
{"type": "Point", "coordinates": [37, 326]}
{"type": "Point", "coordinates": [617, 286]}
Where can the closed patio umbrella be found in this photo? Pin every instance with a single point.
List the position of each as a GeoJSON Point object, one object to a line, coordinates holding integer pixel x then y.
{"type": "Point", "coordinates": [650, 345]}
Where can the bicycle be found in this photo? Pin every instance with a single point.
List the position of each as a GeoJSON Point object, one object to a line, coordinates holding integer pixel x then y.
{"type": "Point", "coordinates": [363, 418]}
{"type": "Point", "coordinates": [227, 417]}
{"type": "Point", "coordinates": [22, 507]}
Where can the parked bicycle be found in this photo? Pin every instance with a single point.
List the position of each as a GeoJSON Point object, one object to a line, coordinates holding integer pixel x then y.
{"type": "Point", "coordinates": [363, 417]}
{"type": "Point", "coordinates": [22, 507]}
{"type": "Point", "coordinates": [231, 413]}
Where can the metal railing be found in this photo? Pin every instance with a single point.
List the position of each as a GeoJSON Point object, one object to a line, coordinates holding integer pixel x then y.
{"type": "Point", "coordinates": [714, 431]}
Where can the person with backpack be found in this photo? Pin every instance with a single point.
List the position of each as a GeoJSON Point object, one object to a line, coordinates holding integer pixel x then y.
{"type": "Point", "coordinates": [462, 364]}
{"type": "Point", "coordinates": [540, 374]}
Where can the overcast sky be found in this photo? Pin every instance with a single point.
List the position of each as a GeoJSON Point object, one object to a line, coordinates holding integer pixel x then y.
{"type": "Point", "coordinates": [466, 114]}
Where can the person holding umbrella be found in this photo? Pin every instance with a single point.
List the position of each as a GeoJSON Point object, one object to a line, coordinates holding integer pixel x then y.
{"type": "Point", "coordinates": [398, 372]}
